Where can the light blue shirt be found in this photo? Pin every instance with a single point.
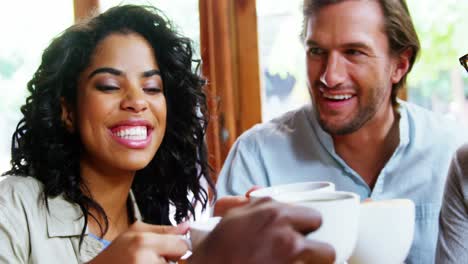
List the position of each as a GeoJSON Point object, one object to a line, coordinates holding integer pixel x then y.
{"type": "Point", "coordinates": [294, 148]}
{"type": "Point", "coordinates": [105, 243]}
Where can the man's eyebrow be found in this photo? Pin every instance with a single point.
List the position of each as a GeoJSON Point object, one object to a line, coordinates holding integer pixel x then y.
{"type": "Point", "coordinates": [150, 73]}
{"type": "Point", "coordinates": [347, 45]}
{"type": "Point", "coordinates": [358, 45]}
{"type": "Point", "coordinates": [105, 70]}
{"type": "Point", "coordinates": [311, 43]}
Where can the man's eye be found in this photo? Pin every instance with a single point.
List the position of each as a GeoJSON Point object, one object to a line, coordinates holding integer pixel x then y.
{"type": "Point", "coordinates": [316, 51]}
{"type": "Point", "coordinates": [354, 52]}
{"type": "Point", "coordinates": [107, 88]}
{"type": "Point", "coordinates": [152, 90]}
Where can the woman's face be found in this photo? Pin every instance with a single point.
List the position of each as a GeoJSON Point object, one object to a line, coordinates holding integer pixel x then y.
{"type": "Point", "coordinates": [121, 109]}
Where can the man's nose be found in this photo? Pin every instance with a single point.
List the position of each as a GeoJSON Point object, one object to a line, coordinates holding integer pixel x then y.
{"type": "Point", "coordinates": [334, 72]}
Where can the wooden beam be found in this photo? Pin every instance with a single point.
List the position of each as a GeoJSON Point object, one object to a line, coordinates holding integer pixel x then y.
{"type": "Point", "coordinates": [248, 70]}
{"type": "Point", "coordinates": [216, 51]}
{"type": "Point", "coordinates": [83, 8]}
{"type": "Point", "coordinates": [229, 49]}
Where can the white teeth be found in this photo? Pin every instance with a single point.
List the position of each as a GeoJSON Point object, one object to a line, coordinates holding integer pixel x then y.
{"type": "Point", "coordinates": [134, 133]}
{"type": "Point", "coordinates": [337, 96]}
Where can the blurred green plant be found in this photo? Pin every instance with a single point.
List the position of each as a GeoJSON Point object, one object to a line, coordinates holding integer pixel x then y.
{"type": "Point", "coordinates": [441, 26]}
{"type": "Point", "coordinates": [8, 66]}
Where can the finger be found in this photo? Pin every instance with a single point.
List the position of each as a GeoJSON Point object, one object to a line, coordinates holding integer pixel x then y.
{"type": "Point", "coordinates": [259, 202]}
{"type": "Point", "coordinates": [315, 252]}
{"type": "Point", "coordinates": [223, 205]}
{"type": "Point", "coordinates": [168, 246]}
{"type": "Point", "coordinates": [161, 229]}
{"type": "Point", "coordinates": [302, 219]}
{"type": "Point", "coordinates": [254, 188]}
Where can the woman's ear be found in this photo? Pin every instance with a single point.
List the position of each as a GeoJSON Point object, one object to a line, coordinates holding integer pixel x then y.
{"type": "Point", "coordinates": [68, 118]}
{"type": "Point", "coordinates": [402, 65]}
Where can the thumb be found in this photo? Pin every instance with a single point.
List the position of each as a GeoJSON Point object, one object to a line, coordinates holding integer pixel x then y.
{"type": "Point", "coordinates": [254, 188]}
{"type": "Point", "coordinates": [161, 229]}
{"type": "Point", "coordinates": [223, 205]}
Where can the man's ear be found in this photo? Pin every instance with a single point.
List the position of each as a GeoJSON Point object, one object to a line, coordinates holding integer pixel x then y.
{"type": "Point", "coordinates": [402, 63]}
{"type": "Point", "coordinates": [68, 117]}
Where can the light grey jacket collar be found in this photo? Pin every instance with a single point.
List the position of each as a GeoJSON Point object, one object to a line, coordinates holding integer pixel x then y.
{"type": "Point", "coordinates": [65, 219]}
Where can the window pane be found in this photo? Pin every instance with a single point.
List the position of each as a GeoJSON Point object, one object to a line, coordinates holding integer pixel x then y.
{"type": "Point", "coordinates": [27, 29]}
{"type": "Point", "coordinates": [437, 81]}
{"type": "Point", "coordinates": [281, 56]}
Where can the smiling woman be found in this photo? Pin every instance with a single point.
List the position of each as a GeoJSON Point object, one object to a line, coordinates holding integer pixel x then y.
{"type": "Point", "coordinates": [121, 108]}
{"type": "Point", "coordinates": [112, 132]}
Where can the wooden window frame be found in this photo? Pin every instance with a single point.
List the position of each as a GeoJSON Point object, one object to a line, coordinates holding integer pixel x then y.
{"type": "Point", "coordinates": [83, 8]}
{"type": "Point", "coordinates": [229, 49]}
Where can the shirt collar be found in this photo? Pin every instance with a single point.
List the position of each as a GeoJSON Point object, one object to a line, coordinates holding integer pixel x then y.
{"type": "Point", "coordinates": [327, 141]}
{"type": "Point", "coordinates": [65, 219]}
{"type": "Point", "coordinates": [404, 123]}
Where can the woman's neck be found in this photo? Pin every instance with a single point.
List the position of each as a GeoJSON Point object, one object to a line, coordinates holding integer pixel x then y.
{"type": "Point", "coordinates": [110, 190]}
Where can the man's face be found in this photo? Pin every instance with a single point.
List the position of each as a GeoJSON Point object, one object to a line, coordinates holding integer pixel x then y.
{"type": "Point", "coordinates": [349, 67]}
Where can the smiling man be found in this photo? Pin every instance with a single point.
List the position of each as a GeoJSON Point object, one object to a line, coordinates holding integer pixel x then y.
{"type": "Point", "coordinates": [355, 132]}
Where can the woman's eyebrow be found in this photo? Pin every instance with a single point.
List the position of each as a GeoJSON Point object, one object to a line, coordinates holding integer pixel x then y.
{"type": "Point", "coordinates": [105, 70]}
{"type": "Point", "coordinates": [150, 73]}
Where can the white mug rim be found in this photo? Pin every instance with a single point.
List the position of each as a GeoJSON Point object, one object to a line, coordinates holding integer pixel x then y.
{"type": "Point", "coordinates": [317, 197]}
{"type": "Point", "coordinates": [286, 188]}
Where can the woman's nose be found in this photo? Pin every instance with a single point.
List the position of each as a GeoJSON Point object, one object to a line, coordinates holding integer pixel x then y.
{"type": "Point", "coordinates": [134, 101]}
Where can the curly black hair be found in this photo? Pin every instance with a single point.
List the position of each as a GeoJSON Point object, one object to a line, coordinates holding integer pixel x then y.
{"type": "Point", "coordinates": [44, 149]}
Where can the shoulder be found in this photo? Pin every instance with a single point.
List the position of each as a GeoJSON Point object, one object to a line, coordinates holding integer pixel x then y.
{"type": "Point", "coordinates": [461, 159]}
{"type": "Point", "coordinates": [462, 152]}
{"type": "Point", "coordinates": [425, 118]}
{"type": "Point", "coordinates": [20, 205]}
{"type": "Point", "coordinates": [26, 185]}
{"type": "Point", "coordinates": [20, 191]}
{"type": "Point", "coordinates": [284, 126]}
{"type": "Point", "coordinates": [435, 127]}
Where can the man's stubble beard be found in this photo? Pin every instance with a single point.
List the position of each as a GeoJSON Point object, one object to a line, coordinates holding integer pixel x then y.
{"type": "Point", "coordinates": [363, 116]}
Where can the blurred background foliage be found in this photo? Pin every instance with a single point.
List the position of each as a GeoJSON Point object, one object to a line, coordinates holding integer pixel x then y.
{"type": "Point", "coordinates": [442, 28]}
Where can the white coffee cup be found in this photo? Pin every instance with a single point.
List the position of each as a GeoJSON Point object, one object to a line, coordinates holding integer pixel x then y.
{"type": "Point", "coordinates": [316, 186]}
{"type": "Point", "coordinates": [340, 218]}
{"type": "Point", "coordinates": [385, 233]}
{"type": "Point", "coordinates": [200, 229]}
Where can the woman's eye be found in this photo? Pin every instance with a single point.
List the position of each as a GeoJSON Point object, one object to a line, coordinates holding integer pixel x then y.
{"type": "Point", "coordinates": [152, 90]}
{"type": "Point", "coordinates": [106, 88]}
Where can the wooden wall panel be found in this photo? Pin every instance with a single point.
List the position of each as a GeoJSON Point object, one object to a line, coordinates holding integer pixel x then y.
{"type": "Point", "coordinates": [248, 70]}
{"type": "Point", "coordinates": [229, 49]}
{"type": "Point", "coordinates": [216, 51]}
{"type": "Point", "coordinates": [83, 8]}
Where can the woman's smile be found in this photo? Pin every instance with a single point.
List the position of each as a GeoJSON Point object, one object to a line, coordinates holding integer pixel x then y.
{"type": "Point", "coordinates": [134, 134]}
